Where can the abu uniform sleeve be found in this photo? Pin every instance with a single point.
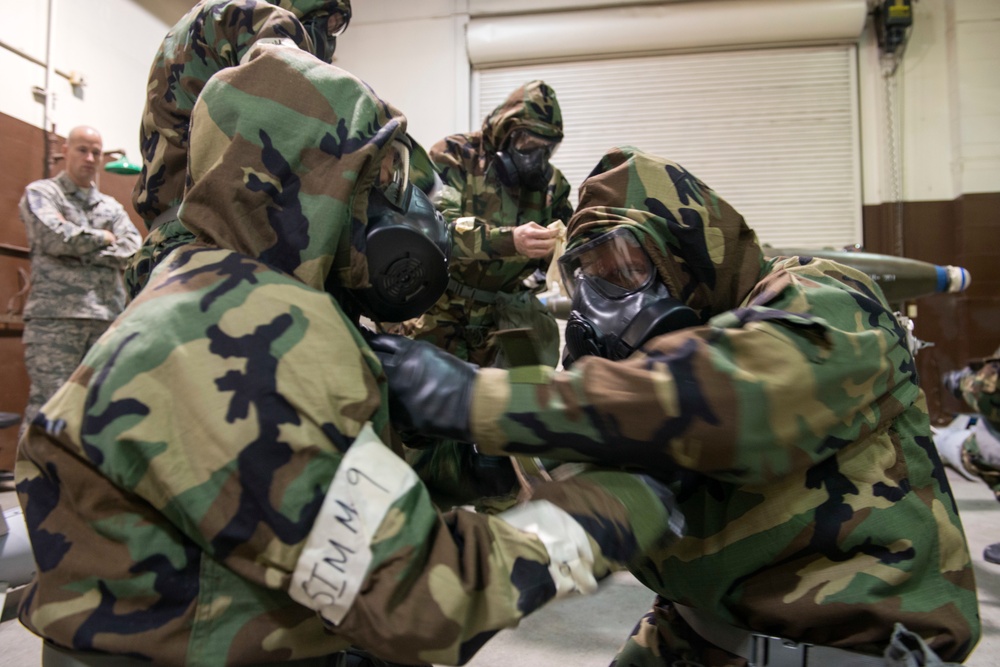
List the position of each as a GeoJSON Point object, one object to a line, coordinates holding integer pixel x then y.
{"type": "Point", "coordinates": [49, 231]}
{"type": "Point", "coordinates": [127, 241]}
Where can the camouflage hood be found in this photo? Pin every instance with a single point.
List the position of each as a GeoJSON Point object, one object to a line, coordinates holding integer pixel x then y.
{"type": "Point", "coordinates": [532, 107]}
{"type": "Point", "coordinates": [284, 150]}
{"type": "Point", "coordinates": [702, 248]}
{"type": "Point", "coordinates": [304, 8]}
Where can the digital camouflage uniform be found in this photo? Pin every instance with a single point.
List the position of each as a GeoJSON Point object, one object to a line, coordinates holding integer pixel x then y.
{"type": "Point", "coordinates": [213, 35]}
{"type": "Point", "coordinates": [206, 482]}
{"type": "Point", "coordinates": [76, 283]}
{"type": "Point", "coordinates": [483, 213]}
{"type": "Point", "coordinates": [791, 426]}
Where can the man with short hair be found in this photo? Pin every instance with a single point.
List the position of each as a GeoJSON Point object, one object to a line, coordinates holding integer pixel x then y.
{"type": "Point", "coordinates": [80, 239]}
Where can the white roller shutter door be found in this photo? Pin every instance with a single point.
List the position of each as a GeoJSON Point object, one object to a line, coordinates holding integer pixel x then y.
{"type": "Point", "coordinates": [774, 130]}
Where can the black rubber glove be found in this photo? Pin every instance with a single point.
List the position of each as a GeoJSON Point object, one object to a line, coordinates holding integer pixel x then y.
{"type": "Point", "coordinates": [430, 390]}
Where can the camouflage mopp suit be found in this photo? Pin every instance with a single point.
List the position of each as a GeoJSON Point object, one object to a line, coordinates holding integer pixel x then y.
{"type": "Point", "coordinates": [212, 486]}
{"type": "Point", "coordinates": [790, 425]}
{"type": "Point", "coordinates": [211, 36]}
{"type": "Point", "coordinates": [487, 290]}
{"type": "Point", "coordinates": [487, 271]}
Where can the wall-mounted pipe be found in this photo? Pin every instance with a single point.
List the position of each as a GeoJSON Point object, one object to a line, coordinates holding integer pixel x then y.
{"type": "Point", "coordinates": [73, 77]}
{"type": "Point", "coordinates": [49, 95]}
{"type": "Point", "coordinates": [661, 28]}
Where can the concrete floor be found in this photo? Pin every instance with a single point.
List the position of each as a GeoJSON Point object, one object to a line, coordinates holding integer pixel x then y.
{"type": "Point", "coordinates": [586, 632]}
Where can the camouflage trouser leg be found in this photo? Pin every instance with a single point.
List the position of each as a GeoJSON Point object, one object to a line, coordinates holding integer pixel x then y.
{"type": "Point", "coordinates": [53, 348]}
{"type": "Point", "coordinates": [662, 639]}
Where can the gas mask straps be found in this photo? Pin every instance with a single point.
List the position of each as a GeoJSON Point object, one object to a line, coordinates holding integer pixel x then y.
{"type": "Point", "coordinates": [324, 30]}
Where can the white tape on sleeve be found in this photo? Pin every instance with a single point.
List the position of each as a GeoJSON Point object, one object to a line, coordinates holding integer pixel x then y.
{"type": "Point", "coordinates": [333, 564]}
{"type": "Point", "coordinates": [571, 560]}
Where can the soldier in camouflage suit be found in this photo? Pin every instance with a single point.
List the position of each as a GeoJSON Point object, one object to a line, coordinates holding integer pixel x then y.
{"type": "Point", "coordinates": [498, 219]}
{"type": "Point", "coordinates": [211, 486]}
{"type": "Point", "coordinates": [789, 424]}
{"type": "Point", "coordinates": [79, 240]}
{"type": "Point", "coordinates": [491, 208]}
{"type": "Point", "coordinates": [978, 384]}
{"type": "Point", "coordinates": [213, 35]}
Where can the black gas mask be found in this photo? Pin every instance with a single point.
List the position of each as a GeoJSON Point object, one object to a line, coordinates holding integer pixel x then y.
{"type": "Point", "coordinates": [619, 302]}
{"type": "Point", "coordinates": [407, 248]}
{"type": "Point", "coordinates": [323, 31]}
{"type": "Point", "coordinates": [525, 161]}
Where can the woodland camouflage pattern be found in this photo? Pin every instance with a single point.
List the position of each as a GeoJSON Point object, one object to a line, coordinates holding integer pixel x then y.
{"type": "Point", "coordinates": [790, 425]}
{"type": "Point", "coordinates": [213, 35]}
{"type": "Point", "coordinates": [980, 391]}
{"type": "Point", "coordinates": [483, 212]}
{"type": "Point", "coordinates": [170, 485]}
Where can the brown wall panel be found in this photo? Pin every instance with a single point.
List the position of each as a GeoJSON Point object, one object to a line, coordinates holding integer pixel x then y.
{"type": "Point", "coordinates": [27, 143]}
{"type": "Point", "coordinates": [963, 326]}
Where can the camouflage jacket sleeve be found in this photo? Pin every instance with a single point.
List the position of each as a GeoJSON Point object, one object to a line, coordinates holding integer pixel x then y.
{"type": "Point", "coordinates": [473, 238]}
{"type": "Point", "coordinates": [979, 389]}
{"type": "Point", "coordinates": [49, 231]}
{"type": "Point", "coordinates": [812, 361]}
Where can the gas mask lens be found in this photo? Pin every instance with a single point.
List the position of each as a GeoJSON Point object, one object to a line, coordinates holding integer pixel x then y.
{"type": "Point", "coordinates": [523, 141]}
{"type": "Point", "coordinates": [614, 263]}
{"type": "Point", "coordinates": [529, 156]}
{"type": "Point", "coordinates": [619, 302]}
